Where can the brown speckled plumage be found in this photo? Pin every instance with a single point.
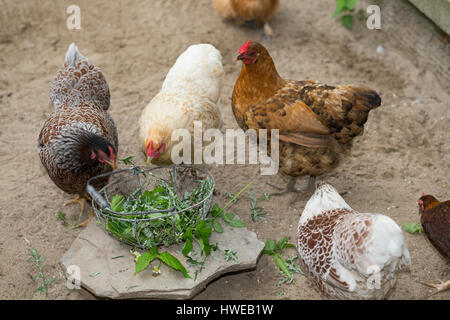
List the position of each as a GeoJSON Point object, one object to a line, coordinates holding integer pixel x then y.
{"type": "Point", "coordinates": [80, 96]}
{"type": "Point", "coordinates": [316, 122]}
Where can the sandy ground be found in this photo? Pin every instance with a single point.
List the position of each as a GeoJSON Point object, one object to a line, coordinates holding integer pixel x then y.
{"type": "Point", "coordinates": [404, 151]}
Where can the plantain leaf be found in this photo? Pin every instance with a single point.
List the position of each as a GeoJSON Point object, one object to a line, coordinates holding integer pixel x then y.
{"type": "Point", "coordinates": [412, 228]}
{"type": "Point", "coordinates": [187, 247]}
{"type": "Point", "coordinates": [215, 210]}
{"type": "Point", "coordinates": [145, 259]}
{"type": "Point", "coordinates": [283, 243]}
{"type": "Point", "coordinates": [282, 265]}
{"type": "Point", "coordinates": [340, 6]}
{"type": "Point", "coordinates": [235, 223]}
{"type": "Point", "coordinates": [217, 227]}
{"type": "Point", "coordinates": [173, 262]}
{"type": "Point", "coordinates": [117, 203]}
{"type": "Point", "coordinates": [347, 21]}
{"type": "Point", "coordinates": [350, 4]}
{"type": "Point", "coordinates": [270, 247]}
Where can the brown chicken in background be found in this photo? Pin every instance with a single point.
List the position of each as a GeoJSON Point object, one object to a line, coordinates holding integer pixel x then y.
{"type": "Point", "coordinates": [79, 139]}
{"type": "Point", "coordinates": [435, 220]}
{"type": "Point", "coordinates": [316, 122]}
{"type": "Point", "coordinates": [247, 10]}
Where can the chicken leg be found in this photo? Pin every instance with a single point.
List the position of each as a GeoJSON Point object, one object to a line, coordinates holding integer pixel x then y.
{"type": "Point", "coordinates": [82, 201]}
{"type": "Point", "coordinates": [86, 222]}
{"type": "Point", "coordinates": [268, 31]}
{"type": "Point", "coordinates": [290, 188]}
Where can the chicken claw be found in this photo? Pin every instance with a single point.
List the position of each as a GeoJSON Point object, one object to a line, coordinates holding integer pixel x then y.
{"type": "Point", "coordinates": [441, 287]}
{"type": "Point", "coordinates": [290, 188]}
{"type": "Point", "coordinates": [80, 200]}
{"type": "Point", "coordinates": [268, 31]}
{"type": "Point", "coordinates": [86, 222]}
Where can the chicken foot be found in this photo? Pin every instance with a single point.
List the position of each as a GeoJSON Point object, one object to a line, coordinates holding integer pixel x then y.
{"type": "Point", "coordinates": [268, 31]}
{"type": "Point", "coordinates": [441, 287]}
{"type": "Point", "coordinates": [86, 222]}
{"type": "Point", "coordinates": [290, 188]}
{"type": "Point", "coordinates": [82, 201]}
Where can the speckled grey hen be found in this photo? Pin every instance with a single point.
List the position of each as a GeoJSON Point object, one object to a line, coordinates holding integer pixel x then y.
{"type": "Point", "coordinates": [79, 139]}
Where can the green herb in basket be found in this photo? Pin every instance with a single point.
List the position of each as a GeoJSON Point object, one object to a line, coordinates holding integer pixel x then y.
{"type": "Point", "coordinates": [156, 228]}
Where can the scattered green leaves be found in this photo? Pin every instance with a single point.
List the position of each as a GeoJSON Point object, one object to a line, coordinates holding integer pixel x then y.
{"type": "Point", "coordinates": [293, 268]}
{"type": "Point", "coordinates": [61, 216]}
{"type": "Point", "coordinates": [274, 249]}
{"type": "Point", "coordinates": [230, 255]}
{"type": "Point", "coordinates": [257, 212]}
{"type": "Point", "coordinates": [128, 160]}
{"type": "Point", "coordinates": [412, 228]}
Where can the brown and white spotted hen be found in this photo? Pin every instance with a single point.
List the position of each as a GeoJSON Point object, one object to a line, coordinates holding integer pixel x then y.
{"type": "Point", "coordinates": [79, 139]}
{"type": "Point", "coordinates": [316, 122]}
{"type": "Point", "coordinates": [349, 255]}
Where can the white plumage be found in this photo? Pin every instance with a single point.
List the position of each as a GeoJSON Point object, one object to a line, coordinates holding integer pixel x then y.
{"type": "Point", "coordinates": [73, 55]}
{"type": "Point", "coordinates": [349, 255]}
{"type": "Point", "coordinates": [190, 92]}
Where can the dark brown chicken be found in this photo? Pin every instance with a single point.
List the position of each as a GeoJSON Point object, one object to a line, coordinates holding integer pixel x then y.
{"type": "Point", "coordinates": [79, 139]}
{"type": "Point", "coordinates": [435, 219]}
{"type": "Point", "coordinates": [316, 122]}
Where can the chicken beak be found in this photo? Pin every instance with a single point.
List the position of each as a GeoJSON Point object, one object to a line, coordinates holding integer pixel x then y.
{"type": "Point", "coordinates": [111, 163]}
{"type": "Point", "coordinates": [239, 57]}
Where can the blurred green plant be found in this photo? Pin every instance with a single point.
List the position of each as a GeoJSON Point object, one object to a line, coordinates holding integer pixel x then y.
{"type": "Point", "coordinates": [37, 262]}
{"type": "Point", "coordinates": [345, 9]}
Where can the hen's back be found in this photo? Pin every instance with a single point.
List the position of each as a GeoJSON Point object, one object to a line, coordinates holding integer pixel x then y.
{"type": "Point", "coordinates": [352, 255]}
{"type": "Point", "coordinates": [199, 70]}
{"type": "Point", "coordinates": [79, 81]}
{"type": "Point", "coordinates": [436, 225]}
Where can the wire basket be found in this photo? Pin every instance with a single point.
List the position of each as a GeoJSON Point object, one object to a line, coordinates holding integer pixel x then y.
{"type": "Point", "coordinates": [145, 229]}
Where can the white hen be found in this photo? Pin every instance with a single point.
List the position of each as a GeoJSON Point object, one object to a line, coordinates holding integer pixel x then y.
{"type": "Point", "coordinates": [190, 92]}
{"type": "Point", "coordinates": [349, 255]}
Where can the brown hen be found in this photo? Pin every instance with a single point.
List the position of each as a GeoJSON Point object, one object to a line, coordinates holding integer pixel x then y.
{"type": "Point", "coordinates": [435, 219]}
{"type": "Point", "coordinates": [316, 122]}
{"type": "Point", "coordinates": [247, 10]}
{"type": "Point", "coordinates": [79, 139]}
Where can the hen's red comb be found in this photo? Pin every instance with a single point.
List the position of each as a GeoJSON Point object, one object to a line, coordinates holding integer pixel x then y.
{"type": "Point", "coordinates": [423, 193]}
{"type": "Point", "coordinates": [244, 47]}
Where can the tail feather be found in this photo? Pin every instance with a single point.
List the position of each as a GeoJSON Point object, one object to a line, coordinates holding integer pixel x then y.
{"type": "Point", "coordinates": [73, 55]}
{"type": "Point", "coordinates": [79, 81]}
{"type": "Point", "coordinates": [356, 104]}
{"type": "Point", "coordinates": [367, 98]}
